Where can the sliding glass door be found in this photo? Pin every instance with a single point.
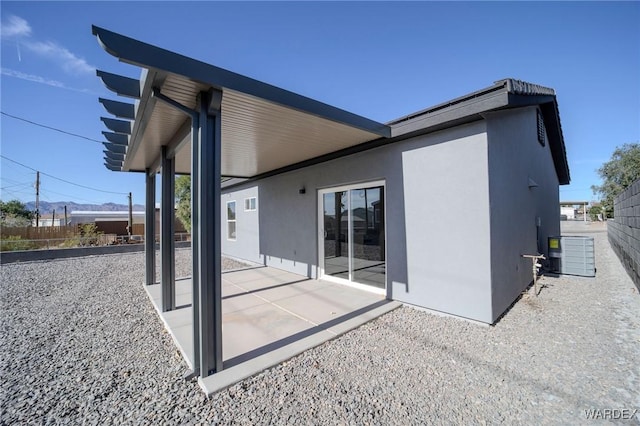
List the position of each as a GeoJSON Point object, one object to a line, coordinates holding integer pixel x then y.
{"type": "Point", "coordinates": [352, 231]}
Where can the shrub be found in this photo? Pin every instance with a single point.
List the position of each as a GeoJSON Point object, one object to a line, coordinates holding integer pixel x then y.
{"type": "Point", "coordinates": [15, 243]}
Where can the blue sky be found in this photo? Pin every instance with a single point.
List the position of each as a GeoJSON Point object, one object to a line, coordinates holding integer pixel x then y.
{"type": "Point", "coordinates": [381, 60]}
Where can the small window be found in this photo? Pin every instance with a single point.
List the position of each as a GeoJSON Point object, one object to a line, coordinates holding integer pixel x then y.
{"type": "Point", "coordinates": [541, 129]}
{"type": "Point", "coordinates": [250, 204]}
{"type": "Point", "coordinates": [231, 220]}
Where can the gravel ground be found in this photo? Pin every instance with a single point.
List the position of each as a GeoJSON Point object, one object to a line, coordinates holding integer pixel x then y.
{"type": "Point", "coordinates": [82, 344]}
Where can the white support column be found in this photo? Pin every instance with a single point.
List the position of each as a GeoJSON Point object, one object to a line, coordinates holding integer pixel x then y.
{"type": "Point", "coordinates": [209, 265]}
{"type": "Point", "coordinates": [167, 239]}
{"type": "Point", "coordinates": [150, 228]}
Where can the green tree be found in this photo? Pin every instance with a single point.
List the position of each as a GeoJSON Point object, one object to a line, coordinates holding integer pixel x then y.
{"type": "Point", "coordinates": [183, 200]}
{"type": "Point", "coordinates": [594, 211]}
{"type": "Point", "coordinates": [617, 174]}
{"type": "Point", "coordinates": [15, 213]}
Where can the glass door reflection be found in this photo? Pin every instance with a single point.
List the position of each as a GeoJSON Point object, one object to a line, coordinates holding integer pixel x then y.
{"type": "Point", "coordinates": [336, 234]}
{"type": "Point", "coordinates": [354, 235]}
{"type": "Point", "coordinates": [368, 251]}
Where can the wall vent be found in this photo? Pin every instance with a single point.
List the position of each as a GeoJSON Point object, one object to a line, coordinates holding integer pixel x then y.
{"type": "Point", "coordinates": [541, 130]}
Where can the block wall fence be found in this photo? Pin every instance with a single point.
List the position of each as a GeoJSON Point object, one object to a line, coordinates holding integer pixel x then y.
{"type": "Point", "coordinates": [624, 230]}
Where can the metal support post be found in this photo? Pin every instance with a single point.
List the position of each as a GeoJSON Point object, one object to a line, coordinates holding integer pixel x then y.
{"type": "Point", "coordinates": [195, 223]}
{"type": "Point", "coordinates": [209, 148]}
{"type": "Point", "coordinates": [167, 243]}
{"type": "Point", "coordinates": [150, 228]}
{"type": "Point", "coordinates": [195, 242]}
{"type": "Point", "coordinates": [130, 223]}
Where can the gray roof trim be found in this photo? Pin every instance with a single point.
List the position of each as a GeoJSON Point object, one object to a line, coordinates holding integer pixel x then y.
{"type": "Point", "coordinates": [520, 87]}
{"type": "Point", "coordinates": [462, 99]}
{"type": "Point", "coordinates": [453, 113]}
{"type": "Point", "coordinates": [122, 86]}
{"type": "Point", "coordinates": [118, 126]}
{"type": "Point", "coordinates": [116, 138]}
{"type": "Point", "coordinates": [144, 55]}
{"type": "Point", "coordinates": [507, 85]}
{"type": "Point", "coordinates": [116, 149]}
{"type": "Point", "coordinates": [460, 111]}
{"type": "Point", "coordinates": [112, 168]}
{"type": "Point", "coordinates": [553, 127]}
{"type": "Point", "coordinates": [119, 109]}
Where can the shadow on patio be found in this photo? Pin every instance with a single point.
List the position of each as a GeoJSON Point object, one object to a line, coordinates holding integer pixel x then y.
{"type": "Point", "coordinates": [268, 316]}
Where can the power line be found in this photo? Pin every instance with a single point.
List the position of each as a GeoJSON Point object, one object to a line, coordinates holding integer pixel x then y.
{"type": "Point", "coordinates": [50, 128]}
{"type": "Point", "coordinates": [63, 180]}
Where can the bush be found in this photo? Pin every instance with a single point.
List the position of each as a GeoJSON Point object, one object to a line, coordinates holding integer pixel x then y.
{"type": "Point", "coordinates": [16, 243]}
{"type": "Point", "coordinates": [90, 233]}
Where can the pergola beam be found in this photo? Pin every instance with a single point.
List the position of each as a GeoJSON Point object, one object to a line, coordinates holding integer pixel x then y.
{"type": "Point", "coordinates": [118, 109]}
{"type": "Point", "coordinates": [116, 149]}
{"type": "Point", "coordinates": [118, 126]}
{"type": "Point", "coordinates": [122, 86]}
{"type": "Point", "coordinates": [116, 138]}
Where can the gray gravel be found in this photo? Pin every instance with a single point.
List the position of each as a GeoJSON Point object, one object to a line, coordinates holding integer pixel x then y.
{"type": "Point", "coordinates": [82, 344]}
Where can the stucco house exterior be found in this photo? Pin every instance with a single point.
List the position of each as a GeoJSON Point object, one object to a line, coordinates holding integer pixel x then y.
{"type": "Point", "coordinates": [434, 209]}
{"type": "Point", "coordinates": [436, 216]}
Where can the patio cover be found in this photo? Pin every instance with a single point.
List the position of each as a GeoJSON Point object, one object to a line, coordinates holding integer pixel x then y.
{"type": "Point", "coordinates": [264, 127]}
{"type": "Point", "coordinates": [190, 117]}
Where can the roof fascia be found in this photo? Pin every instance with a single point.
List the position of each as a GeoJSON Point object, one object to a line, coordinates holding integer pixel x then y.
{"type": "Point", "coordinates": [144, 55]}
{"type": "Point", "coordinates": [553, 127]}
{"type": "Point", "coordinates": [454, 114]}
{"type": "Point", "coordinates": [144, 110]}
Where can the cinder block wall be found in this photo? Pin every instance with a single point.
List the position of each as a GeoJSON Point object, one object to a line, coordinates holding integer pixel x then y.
{"type": "Point", "coordinates": [624, 230]}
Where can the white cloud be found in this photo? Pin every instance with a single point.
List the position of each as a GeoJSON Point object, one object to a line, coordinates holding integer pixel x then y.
{"type": "Point", "coordinates": [31, 77]}
{"type": "Point", "coordinates": [68, 61]}
{"type": "Point", "coordinates": [18, 28]}
{"type": "Point", "coordinates": [15, 26]}
{"type": "Point", "coordinates": [41, 80]}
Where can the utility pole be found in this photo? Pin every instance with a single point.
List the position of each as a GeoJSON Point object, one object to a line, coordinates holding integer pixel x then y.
{"type": "Point", "coordinates": [37, 199]}
{"type": "Point", "coordinates": [130, 227]}
{"type": "Point", "coordinates": [53, 218]}
{"type": "Point", "coordinates": [65, 216]}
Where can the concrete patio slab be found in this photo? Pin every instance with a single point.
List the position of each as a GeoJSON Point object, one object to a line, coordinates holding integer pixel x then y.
{"type": "Point", "coordinates": [269, 316]}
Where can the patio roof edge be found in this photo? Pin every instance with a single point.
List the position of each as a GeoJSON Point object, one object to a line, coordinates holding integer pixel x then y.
{"type": "Point", "coordinates": [147, 56]}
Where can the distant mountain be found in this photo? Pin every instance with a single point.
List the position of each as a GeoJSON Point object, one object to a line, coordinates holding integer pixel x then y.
{"type": "Point", "coordinates": [47, 207]}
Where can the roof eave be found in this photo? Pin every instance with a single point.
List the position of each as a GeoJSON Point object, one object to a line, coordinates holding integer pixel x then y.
{"type": "Point", "coordinates": [152, 57]}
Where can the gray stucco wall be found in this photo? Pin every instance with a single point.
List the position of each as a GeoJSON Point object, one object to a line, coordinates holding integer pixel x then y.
{"type": "Point", "coordinates": [247, 243]}
{"type": "Point", "coordinates": [624, 230]}
{"type": "Point", "coordinates": [436, 183]}
{"type": "Point", "coordinates": [515, 157]}
{"type": "Point", "coordinates": [447, 219]}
